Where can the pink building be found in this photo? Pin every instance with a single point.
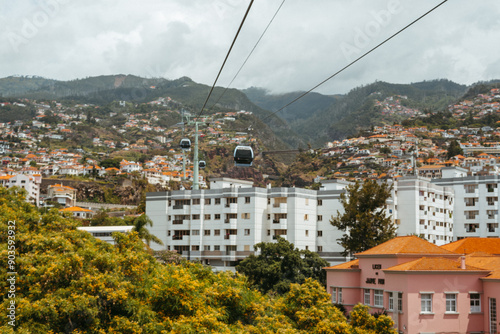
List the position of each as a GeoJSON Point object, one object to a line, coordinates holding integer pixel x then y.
{"type": "Point", "coordinates": [425, 288]}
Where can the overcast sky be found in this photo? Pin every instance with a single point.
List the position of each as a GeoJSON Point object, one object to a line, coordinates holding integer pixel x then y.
{"type": "Point", "coordinates": [307, 42]}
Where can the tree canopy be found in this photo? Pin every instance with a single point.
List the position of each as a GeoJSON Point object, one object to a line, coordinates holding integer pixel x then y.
{"type": "Point", "coordinates": [70, 282]}
{"type": "Point", "coordinates": [280, 264]}
{"type": "Point", "coordinates": [364, 219]}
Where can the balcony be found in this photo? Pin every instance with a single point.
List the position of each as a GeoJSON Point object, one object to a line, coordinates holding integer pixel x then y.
{"type": "Point", "coordinates": [275, 237]}
{"type": "Point", "coordinates": [233, 222]}
{"type": "Point", "coordinates": [231, 208]}
{"type": "Point", "coordinates": [178, 206]}
{"type": "Point", "coordinates": [492, 227]}
{"type": "Point", "coordinates": [280, 208]}
{"type": "Point", "coordinates": [177, 237]}
{"type": "Point", "coordinates": [177, 221]}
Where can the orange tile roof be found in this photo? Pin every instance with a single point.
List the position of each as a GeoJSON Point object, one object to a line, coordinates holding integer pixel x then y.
{"type": "Point", "coordinates": [61, 186]}
{"type": "Point", "coordinates": [75, 209]}
{"type": "Point", "coordinates": [471, 245]}
{"type": "Point", "coordinates": [433, 264]}
{"type": "Point", "coordinates": [406, 245]}
{"type": "Point", "coordinates": [354, 264]}
{"type": "Point", "coordinates": [485, 261]}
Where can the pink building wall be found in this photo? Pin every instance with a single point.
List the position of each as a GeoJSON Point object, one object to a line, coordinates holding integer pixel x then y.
{"type": "Point", "coordinates": [413, 321]}
{"type": "Point", "coordinates": [491, 290]}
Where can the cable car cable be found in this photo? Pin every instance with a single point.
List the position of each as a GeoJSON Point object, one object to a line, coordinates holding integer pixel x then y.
{"type": "Point", "coordinates": [356, 60]}
{"type": "Point", "coordinates": [227, 56]}
{"type": "Point", "coordinates": [253, 49]}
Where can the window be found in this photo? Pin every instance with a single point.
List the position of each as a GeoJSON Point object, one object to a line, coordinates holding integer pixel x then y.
{"type": "Point", "coordinates": [268, 232]}
{"type": "Point", "coordinates": [196, 217]}
{"type": "Point", "coordinates": [320, 218]}
{"type": "Point", "coordinates": [231, 200]}
{"type": "Point", "coordinates": [475, 302]}
{"type": "Point", "coordinates": [391, 301]}
{"type": "Point", "coordinates": [247, 231]}
{"type": "Point", "coordinates": [207, 201]}
{"type": "Point", "coordinates": [206, 248]}
{"type": "Point", "coordinates": [306, 217]}
{"type": "Point", "coordinates": [217, 201]}
{"type": "Point", "coordinates": [196, 201]}
{"type": "Point", "coordinates": [307, 201]}
{"type": "Point", "coordinates": [320, 248]}
{"type": "Point", "coordinates": [216, 232]}
{"type": "Point", "coordinates": [366, 298]}
{"type": "Point", "coordinates": [340, 295]}
{"type": "Point", "coordinates": [268, 201]}
{"type": "Point", "coordinates": [245, 215]}
{"type": "Point", "coordinates": [247, 200]}
{"type": "Point", "coordinates": [168, 233]}
{"type": "Point", "coordinates": [471, 214]}
{"type": "Point", "coordinates": [400, 301]}
{"type": "Point", "coordinates": [268, 216]}
{"type": "Point", "coordinates": [426, 303]}
{"type": "Point", "coordinates": [206, 232]}
{"type": "Point", "coordinates": [320, 202]}
{"type": "Point", "coordinates": [307, 233]}
{"type": "Point", "coordinates": [231, 231]}
{"type": "Point", "coordinates": [334, 295]}
{"type": "Point", "coordinates": [216, 248]}
{"type": "Point", "coordinates": [195, 248]}
{"type": "Point", "coordinates": [217, 216]}
{"type": "Point", "coordinates": [169, 217]}
{"type": "Point", "coordinates": [207, 217]}
{"type": "Point", "coordinates": [320, 233]}
{"type": "Point", "coordinates": [470, 188]}
{"type": "Point", "coordinates": [378, 298]}
{"type": "Point", "coordinates": [195, 232]}
{"type": "Point", "coordinates": [451, 302]}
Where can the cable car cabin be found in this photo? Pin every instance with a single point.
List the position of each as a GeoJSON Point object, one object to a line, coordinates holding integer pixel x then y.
{"type": "Point", "coordinates": [185, 144]}
{"type": "Point", "coordinates": [243, 156]}
{"type": "Point", "coordinates": [202, 164]}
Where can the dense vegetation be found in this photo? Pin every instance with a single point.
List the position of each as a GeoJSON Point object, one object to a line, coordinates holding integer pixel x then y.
{"type": "Point", "coordinates": [280, 264]}
{"type": "Point", "coordinates": [69, 282]}
{"type": "Point", "coordinates": [364, 216]}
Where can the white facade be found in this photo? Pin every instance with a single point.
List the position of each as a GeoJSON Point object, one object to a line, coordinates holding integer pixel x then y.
{"type": "Point", "coordinates": [30, 183]}
{"type": "Point", "coordinates": [476, 205]}
{"type": "Point", "coordinates": [104, 233]}
{"type": "Point", "coordinates": [424, 209]}
{"type": "Point", "coordinates": [221, 225]}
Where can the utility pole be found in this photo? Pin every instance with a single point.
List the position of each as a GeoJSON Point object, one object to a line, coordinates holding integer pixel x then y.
{"type": "Point", "coordinates": [196, 182]}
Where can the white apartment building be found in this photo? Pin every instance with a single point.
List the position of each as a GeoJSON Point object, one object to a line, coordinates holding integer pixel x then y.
{"type": "Point", "coordinates": [30, 183]}
{"type": "Point", "coordinates": [221, 225]}
{"type": "Point", "coordinates": [476, 203]}
{"type": "Point", "coordinates": [424, 209]}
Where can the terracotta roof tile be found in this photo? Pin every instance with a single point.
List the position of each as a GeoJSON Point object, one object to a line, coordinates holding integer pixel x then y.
{"type": "Point", "coordinates": [354, 264]}
{"type": "Point", "coordinates": [75, 209]}
{"type": "Point", "coordinates": [433, 264]}
{"type": "Point", "coordinates": [471, 245]}
{"type": "Point", "coordinates": [406, 245]}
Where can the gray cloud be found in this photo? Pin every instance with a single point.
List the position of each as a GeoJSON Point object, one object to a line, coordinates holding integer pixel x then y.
{"type": "Point", "coordinates": [307, 42]}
